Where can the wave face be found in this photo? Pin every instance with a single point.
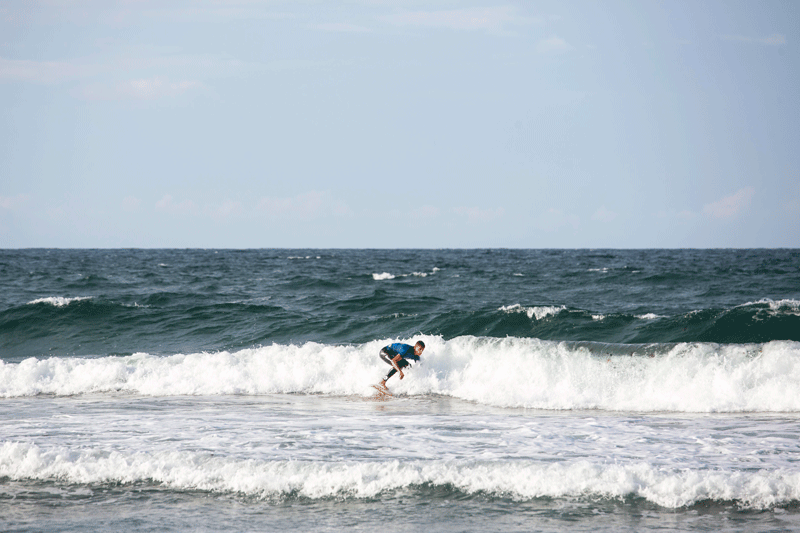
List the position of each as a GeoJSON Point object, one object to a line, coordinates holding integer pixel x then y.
{"type": "Point", "coordinates": [529, 373]}
{"type": "Point", "coordinates": [163, 302]}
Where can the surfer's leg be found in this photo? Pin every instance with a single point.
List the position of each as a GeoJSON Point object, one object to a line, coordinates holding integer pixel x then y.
{"type": "Point", "coordinates": [386, 357]}
{"type": "Point", "coordinates": [402, 364]}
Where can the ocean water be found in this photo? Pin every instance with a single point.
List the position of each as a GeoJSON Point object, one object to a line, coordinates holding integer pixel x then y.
{"type": "Point", "coordinates": [560, 390]}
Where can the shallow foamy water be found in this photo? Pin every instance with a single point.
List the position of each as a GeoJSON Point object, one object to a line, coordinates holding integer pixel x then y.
{"type": "Point", "coordinates": [327, 462]}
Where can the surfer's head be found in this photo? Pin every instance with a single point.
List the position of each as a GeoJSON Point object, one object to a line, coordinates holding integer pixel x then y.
{"type": "Point", "coordinates": [419, 347]}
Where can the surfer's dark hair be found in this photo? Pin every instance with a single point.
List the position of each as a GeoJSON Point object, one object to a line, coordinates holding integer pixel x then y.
{"type": "Point", "coordinates": [421, 343]}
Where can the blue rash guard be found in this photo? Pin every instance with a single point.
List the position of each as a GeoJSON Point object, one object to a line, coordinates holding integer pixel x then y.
{"type": "Point", "coordinates": [404, 350]}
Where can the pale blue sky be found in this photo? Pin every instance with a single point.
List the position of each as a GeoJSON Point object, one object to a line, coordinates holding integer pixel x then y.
{"type": "Point", "coordinates": [262, 123]}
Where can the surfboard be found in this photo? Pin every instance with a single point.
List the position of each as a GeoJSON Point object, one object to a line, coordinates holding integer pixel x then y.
{"type": "Point", "coordinates": [382, 391]}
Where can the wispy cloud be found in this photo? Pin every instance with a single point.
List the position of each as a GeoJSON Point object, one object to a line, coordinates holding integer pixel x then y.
{"type": "Point", "coordinates": [169, 205]}
{"type": "Point", "coordinates": [425, 212]}
{"type": "Point", "coordinates": [12, 203]}
{"type": "Point", "coordinates": [341, 27]}
{"type": "Point", "coordinates": [313, 205]}
{"type": "Point", "coordinates": [307, 206]}
{"type": "Point", "coordinates": [730, 206]}
{"type": "Point", "coordinates": [469, 19]}
{"type": "Point", "coordinates": [141, 89]}
{"type": "Point", "coordinates": [227, 209]}
{"type": "Point", "coordinates": [604, 215]}
{"type": "Point", "coordinates": [554, 219]}
{"type": "Point", "coordinates": [130, 66]}
{"type": "Point", "coordinates": [478, 214]}
{"type": "Point", "coordinates": [553, 45]}
{"type": "Point", "coordinates": [45, 72]}
{"type": "Point", "coordinates": [116, 13]}
{"type": "Point", "coordinates": [221, 11]}
{"type": "Point", "coordinates": [776, 39]}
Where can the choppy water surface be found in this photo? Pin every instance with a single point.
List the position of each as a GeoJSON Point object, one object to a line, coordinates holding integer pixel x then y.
{"type": "Point", "coordinates": [560, 390]}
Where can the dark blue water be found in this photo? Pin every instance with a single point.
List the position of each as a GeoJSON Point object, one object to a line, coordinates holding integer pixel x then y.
{"type": "Point", "coordinates": [100, 302]}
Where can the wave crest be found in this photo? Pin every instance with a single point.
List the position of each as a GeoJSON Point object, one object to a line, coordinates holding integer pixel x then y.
{"type": "Point", "coordinates": [511, 372]}
{"type": "Point", "coordinates": [522, 480]}
{"type": "Point", "coordinates": [534, 312]}
{"type": "Point", "coordinates": [58, 301]}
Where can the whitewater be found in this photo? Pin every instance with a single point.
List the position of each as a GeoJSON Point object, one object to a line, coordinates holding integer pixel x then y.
{"type": "Point", "coordinates": [586, 390]}
{"type": "Point", "coordinates": [526, 373]}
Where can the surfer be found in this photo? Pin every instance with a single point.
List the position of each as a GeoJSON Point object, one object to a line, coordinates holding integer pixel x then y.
{"type": "Point", "coordinates": [396, 355]}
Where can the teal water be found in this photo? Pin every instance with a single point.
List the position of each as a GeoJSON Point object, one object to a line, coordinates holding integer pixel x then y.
{"type": "Point", "coordinates": [98, 302]}
{"type": "Point", "coordinates": [560, 390]}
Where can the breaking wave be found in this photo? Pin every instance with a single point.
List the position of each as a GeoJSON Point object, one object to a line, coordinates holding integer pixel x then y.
{"type": "Point", "coordinates": [511, 372]}
{"type": "Point", "coordinates": [520, 480]}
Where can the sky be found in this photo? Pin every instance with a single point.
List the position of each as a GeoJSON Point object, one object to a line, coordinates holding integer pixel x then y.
{"type": "Point", "coordinates": [399, 124]}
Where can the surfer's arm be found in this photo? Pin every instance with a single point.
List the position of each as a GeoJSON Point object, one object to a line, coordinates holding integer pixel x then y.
{"type": "Point", "coordinates": [396, 360]}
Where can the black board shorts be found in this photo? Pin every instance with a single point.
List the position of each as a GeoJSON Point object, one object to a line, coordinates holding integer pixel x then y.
{"type": "Point", "coordinates": [387, 358]}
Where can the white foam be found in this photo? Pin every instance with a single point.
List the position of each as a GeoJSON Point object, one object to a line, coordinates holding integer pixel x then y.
{"type": "Point", "coordinates": [510, 372]}
{"type": "Point", "coordinates": [521, 479]}
{"type": "Point", "coordinates": [58, 301]}
{"type": "Point", "coordinates": [538, 312]}
{"type": "Point", "coordinates": [785, 306]}
{"type": "Point", "coordinates": [386, 275]}
{"type": "Point", "coordinates": [649, 316]}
